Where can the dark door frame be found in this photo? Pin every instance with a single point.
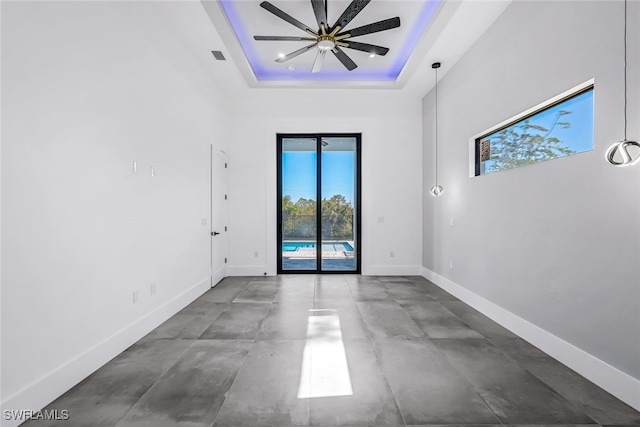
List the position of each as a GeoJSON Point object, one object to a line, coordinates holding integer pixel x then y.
{"type": "Point", "coordinates": [357, 201]}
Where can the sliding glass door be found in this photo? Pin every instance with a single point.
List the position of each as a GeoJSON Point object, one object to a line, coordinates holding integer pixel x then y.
{"type": "Point", "coordinates": [298, 207]}
{"type": "Point", "coordinates": [314, 236]}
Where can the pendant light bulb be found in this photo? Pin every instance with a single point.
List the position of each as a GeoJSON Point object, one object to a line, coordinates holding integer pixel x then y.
{"type": "Point", "coordinates": [436, 190]}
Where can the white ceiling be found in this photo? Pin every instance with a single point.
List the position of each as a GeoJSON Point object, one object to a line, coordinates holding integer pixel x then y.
{"type": "Point", "coordinates": [431, 30]}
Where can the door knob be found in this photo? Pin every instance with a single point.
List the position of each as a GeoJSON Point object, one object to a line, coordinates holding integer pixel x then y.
{"type": "Point", "coordinates": [215, 233]}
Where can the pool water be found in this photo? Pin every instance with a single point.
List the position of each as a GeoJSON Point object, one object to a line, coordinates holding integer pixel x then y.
{"type": "Point", "coordinates": [311, 246]}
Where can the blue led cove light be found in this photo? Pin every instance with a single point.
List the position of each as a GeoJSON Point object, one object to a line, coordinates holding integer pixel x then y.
{"type": "Point", "coordinates": [389, 74]}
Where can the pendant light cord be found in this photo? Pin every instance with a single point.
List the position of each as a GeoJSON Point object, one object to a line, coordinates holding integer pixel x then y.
{"type": "Point", "coordinates": [625, 70]}
{"type": "Point", "coordinates": [618, 154]}
{"type": "Point", "coordinates": [437, 189]}
{"type": "Point", "coordinates": [436, 126]}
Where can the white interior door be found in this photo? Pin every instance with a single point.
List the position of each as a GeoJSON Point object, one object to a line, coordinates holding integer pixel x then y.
{"type": "Point", "coordinates": [219, 215]}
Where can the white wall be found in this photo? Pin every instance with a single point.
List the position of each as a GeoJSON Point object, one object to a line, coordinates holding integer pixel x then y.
{"type": "Point", "coordinates": [555, 244]}
{"type": "Point", "coordinates": [88, 88]}
{"type": "Point", "coordinates": [391, 172]}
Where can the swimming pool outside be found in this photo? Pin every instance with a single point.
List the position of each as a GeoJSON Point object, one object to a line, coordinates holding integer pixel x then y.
{"type": "Point", "coordinates": [311, 246]}
{"type": "Point", "coordinates": [307, 249]}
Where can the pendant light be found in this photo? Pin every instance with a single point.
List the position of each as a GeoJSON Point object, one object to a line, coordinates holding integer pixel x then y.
{"type": "Point", "coordinates": [622, 147]}
{"type": "Point", "coordinates": [436, 190]}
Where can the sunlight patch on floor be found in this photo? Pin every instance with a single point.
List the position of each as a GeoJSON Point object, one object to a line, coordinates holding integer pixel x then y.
{"type": "Point", "coordinates": [325, 372]}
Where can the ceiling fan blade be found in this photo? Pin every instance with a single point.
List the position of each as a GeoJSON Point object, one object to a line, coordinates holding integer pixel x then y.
{"type": "Point", "coordinates": [349, 13]}
{"type": "Point", "coordinates": [284, 16]}
{"type": "Point", "coordinates": [296, 53]}
{"type": "Point", "coordinates": [342, 57]}
{"type": "Point", "coordinates": [376, 27]}
{"type": "Point", "coordinates": [283, 38]}
{"type": "Point", "coordinates": [317, 64]}
{"type": "Point", "coordinates": [365, 47]}
{"type": "Point", "coordinates": [321, 13]}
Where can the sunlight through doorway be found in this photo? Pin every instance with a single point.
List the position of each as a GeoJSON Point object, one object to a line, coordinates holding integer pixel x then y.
{"type": "Point", "coordinates": [324, 372]}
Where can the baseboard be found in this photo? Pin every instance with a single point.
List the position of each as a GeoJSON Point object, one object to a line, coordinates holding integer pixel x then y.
{"type": "Point", "coordinates": [611, 379]}
{"type": "Point", "coordinates": [246, 270]}
{"type": "Point", "coordinates": [392, 270]}
{"type": "Point", "coordinates": [40, 393]}
{"type": "Point", "coordinates": [217, 276]}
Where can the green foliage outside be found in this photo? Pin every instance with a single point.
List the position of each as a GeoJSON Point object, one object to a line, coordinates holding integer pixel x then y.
{"type": "Point", "coordinates": [299, 218]}
{"type": "Point", "coordinates": [525, 143]}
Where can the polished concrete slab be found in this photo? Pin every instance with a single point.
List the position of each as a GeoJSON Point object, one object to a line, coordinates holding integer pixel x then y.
{"type": "Point", "coordinates": [363, 291]}
{"type": "Point", "coordinates": [106, 396]}
{"type": "Point", "coordinates": [227, 290]}
{"type": "Point", "coordinates": [296, 289]}
{"type": "Point", "coordinates": [437, 321]}
{"type": "Point", "coordinates": [265, 392]}
{"type": "Point", "coordinates": [332, 288]}
{"type": "Point", "coordinates": [371, 401]}
{"type": "Point", "coordinates": [239, 321]}
{"type": "Point", "coordinates": [404, 290]}
{"type": "Point", "coordinates": [192, 391]}
{"type": "Point", "coordinates": [189, 323]}
{"type": "Point", "coordinates": [334, 350]}
{"type": "Point", "coordinates": [258, 291]}
{"type": "Point", "coordinates": [286, 321]}
{"type": "Point", "coordinates": [428, 389]}
{"type": "Point", "coordinates": [477, 321]}
{"type": "Point", "coordinates": [352, 325]}
{"type": "Point", "coordinates": [388, 319]}
{"type": "Point", "coordinates": [513, 394]}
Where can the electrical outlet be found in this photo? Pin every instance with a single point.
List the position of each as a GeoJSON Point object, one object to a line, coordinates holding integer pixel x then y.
{"type": "Point", "coordinates": [381, 219]}
{"type": "Point", "coordinates": [451, 265]}
{"type": "Point", "coordinates": [451, 222]}
{"type": "Point", "coordinates": [392, 254]}
{"type": "Point", "coordinates": [136, 297]}
{"type": "Point", "coordinates": [255, 254]}
{"type": "Point", "coordinates": [152, 289]}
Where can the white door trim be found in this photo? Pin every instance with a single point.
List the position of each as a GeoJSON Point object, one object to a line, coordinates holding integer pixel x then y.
{"type": "Point", "coordinates": [218, 225]}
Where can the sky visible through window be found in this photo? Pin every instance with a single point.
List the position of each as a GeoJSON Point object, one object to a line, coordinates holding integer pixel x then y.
{"type": "Point", "coordinates": [299, 174]}
{"type": "Point", "coordinates": [559, 131]}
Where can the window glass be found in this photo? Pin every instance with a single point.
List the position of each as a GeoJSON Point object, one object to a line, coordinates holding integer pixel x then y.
{"type": "Point", "coordinates": [557, 130]}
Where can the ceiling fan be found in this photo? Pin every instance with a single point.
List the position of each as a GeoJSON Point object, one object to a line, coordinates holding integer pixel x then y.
{"type": "Point", "coordinates": [331, 37]}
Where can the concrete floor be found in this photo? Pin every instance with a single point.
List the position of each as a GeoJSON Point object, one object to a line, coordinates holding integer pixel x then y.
{"type": "Point", "coordinates": [405, 353]}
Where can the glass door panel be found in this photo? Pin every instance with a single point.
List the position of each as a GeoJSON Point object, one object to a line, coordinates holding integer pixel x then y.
{"type": "Point", "coordinates": [298, 222]}
{"type": "Point", "coordinates": [319, 237]}
{"type": "Point", "coordinates": [338, 223]}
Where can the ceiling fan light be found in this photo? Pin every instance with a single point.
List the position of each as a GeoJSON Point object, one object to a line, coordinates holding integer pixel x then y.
{"type": "Point", "coordinates": [437, 190]}
{"type": "Point", "coordinates": [326, 45]}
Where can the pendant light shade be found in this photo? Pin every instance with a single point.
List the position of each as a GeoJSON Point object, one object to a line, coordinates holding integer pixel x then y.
{"type": "Point", "coordinates": [436, 190]}
{"type": "Point", "coordinates": [620, 154]}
